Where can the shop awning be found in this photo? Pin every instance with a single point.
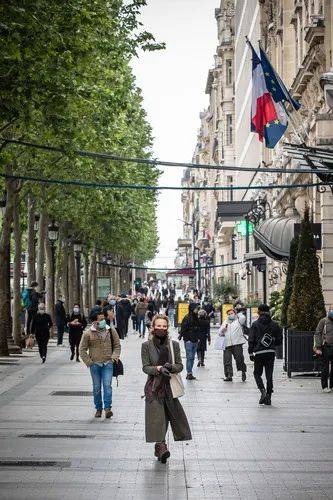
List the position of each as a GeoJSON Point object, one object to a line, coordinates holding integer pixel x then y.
{"type": "Point", "coordinates": [274, 236]}
{"type": "Point", "coordinates": [233, 210]}
{"type": "Point", "coordinates": [182, 272]}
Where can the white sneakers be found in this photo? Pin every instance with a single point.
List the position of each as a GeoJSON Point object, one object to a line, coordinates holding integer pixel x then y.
{"type": "Point", "coordinates": [327, 389]}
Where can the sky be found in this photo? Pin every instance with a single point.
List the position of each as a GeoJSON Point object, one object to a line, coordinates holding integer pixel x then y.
{"type": "Point", "coordinates": [173, 85]}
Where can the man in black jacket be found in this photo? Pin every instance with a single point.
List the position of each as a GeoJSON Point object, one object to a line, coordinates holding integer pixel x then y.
{"type": "Point", "coordinates": [60, 319]}
{"type": "Point", "coordinates": [126, 305]}
{"type": "Point", "coordinates": [265, 335]}
{"type": "Point", "coordinates": [190, 333]}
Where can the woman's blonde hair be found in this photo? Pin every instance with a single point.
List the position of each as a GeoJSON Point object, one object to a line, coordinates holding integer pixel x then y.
{"type": "Point", "coordinates": [159, 316]}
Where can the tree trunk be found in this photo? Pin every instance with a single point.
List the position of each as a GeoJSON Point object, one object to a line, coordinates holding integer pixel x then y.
{"type": "Point", "coordinates": [17, 329]}
{"type": "Point", "coordinates": [41, 251]}
{"type": "Point", "coordinates": [5, 316]}
{"type": "Point", "coordinates": [85, 294]}
{"type": "Point", "coordinates": [71, 277]}
{"type": "Point", "coordinates": [93, 277]}
{"type": "Point", "coordinates": [31, 250]}
{"type": "Point", "coordinates": [64, 271]}
{"type": "Point", "coordinates": [49, 282]}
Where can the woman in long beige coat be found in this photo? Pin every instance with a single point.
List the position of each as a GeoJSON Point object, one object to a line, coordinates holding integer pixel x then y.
{"type": "Point", "coordinates": [161, 406]}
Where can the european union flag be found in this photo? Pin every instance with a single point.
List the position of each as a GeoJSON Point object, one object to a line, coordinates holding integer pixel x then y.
{"type": "Point", "coordinates": [274, 83]}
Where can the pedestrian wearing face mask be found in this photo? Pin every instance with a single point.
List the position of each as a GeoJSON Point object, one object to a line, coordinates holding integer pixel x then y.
{"type": "Point", "coordinates": [160, 361]}
{"type": "Point", "coordinates": [60, 319]}
{"type": "Point", "coordinates": [76, 324]}
{"type": "Point", "coordinates": [99, 350]}
{"type": "Point", "coordinates": [190, 333]}
{"type": "Point", "coordinates": [265, 335]}
{"type": "Point", "coordinates": [134, 316]}
{"type": "Point", "coordinates": [232, 330]}
{"type": "Point", "coordinates": [40, 328]}
{"type": "Point", "coordinates": [115, 316]}
{"type": "Point", "coordinates": [323, 346]}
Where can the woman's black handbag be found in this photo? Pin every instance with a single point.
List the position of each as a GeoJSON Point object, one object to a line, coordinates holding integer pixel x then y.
{"type": "Point", "coordinates": [118, 367]}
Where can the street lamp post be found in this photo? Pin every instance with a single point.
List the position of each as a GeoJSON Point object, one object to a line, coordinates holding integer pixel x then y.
{"type": "Point", "coordinates": [53, 236]}
{"type": "Point", "coordinates": [6, 263]}
{"type": "Point", "coordinates": [77, 245]}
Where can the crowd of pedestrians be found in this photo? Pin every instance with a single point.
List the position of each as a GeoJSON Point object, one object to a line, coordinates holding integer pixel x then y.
{"type": "Point", "coordinates": [97, 341]}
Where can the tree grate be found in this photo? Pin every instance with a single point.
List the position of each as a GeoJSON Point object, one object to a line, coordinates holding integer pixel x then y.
{"type": "Point", "coordinates": [58, 436]}
{"type": "Point", "coordinates": [33, 463]}
{"type": "Point", "coordinates": [71, 393]}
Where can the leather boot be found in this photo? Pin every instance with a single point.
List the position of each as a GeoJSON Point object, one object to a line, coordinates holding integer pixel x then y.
{"type": "Point", "coordinates": [263, 396]}
{"type": "Point", "coordinates": [162, 452]}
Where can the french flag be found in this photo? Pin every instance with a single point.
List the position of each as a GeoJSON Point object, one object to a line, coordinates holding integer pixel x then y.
{"type": "Point", "coordinates": [268, 118]}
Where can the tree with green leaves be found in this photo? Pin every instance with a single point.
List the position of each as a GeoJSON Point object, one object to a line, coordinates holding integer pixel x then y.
{"type": "Point", "coordinates": [289, 280]}
{"type": "Point", "coordinates": [66, 80]}
{"type": "Point", "coordinates": [307, 304]}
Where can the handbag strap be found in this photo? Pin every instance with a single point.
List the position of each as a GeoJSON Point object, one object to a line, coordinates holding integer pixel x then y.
{"type": "Point", "coordinates": [172, 352]}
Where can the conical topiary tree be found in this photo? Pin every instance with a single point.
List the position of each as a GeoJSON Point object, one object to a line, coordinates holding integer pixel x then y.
{"type": "Point", "coordinates": [307, 305]}
{"type": "Point", "coordinates": [289, 280]}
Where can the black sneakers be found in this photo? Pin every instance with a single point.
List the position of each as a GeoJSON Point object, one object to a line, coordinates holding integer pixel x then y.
{"type": "Point", "coordinates": [227, 379]}
{"type": "Point", "coordinates": [243, 376]}
{"type": "Point", "coordinates": [263, 397]}
{"type": "Point", "coordinates": [268, 400]}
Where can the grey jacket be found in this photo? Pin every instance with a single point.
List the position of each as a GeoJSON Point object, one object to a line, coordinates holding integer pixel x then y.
{"type": "Point", "coordinates": [324, 333]}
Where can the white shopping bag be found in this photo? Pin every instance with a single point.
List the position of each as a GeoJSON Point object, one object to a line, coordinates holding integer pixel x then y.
{"type": "Point", "coordinates": [219, 343]}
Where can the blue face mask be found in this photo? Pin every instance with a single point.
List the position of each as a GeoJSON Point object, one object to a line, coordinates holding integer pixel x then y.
{"type": "Point", "coordinates": [231, 317]}
{"type": "Point", "coordinates": [330, 314]}
{"type": "Point", "coordinates": [112, 302]}
{"type": "Point", "coordinates": [102, 324]}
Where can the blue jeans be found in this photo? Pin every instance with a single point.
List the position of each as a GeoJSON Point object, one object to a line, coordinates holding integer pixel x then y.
{"type": "Point", "coordinates": [171, 316]}
{"type": "Point", "coordinates": [141, 324]}
{"type": "Point", "coordinates": [102, 375]}
{"type": "Point", "coordinates": [191, 349]}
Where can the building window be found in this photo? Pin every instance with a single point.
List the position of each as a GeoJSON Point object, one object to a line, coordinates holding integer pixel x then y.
{"type": "Point", "coordinates": [234, 246]}
{"type": "Point", "coordinates": [230, 183]}
{"type": "Point", "coordinates": [229, 129]}
{"type": "Point", "coordinates": [228, 71]}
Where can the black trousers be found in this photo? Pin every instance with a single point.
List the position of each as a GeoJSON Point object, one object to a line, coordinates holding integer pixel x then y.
{"type": "Point", "coordinates": [235, 351]}
{"type": "Point", "coordinates": [326, 369]}
{"type": "Point", "coordinates": [261, 361]}
{"type": "Point", "coordinates": [42, 341]}
{"type": "Point", "coordinates": [126, 326]}
{"type": "Point", "coordinates": [74, 342]}
{"type": "Point", "coordinates": [135, 323]}
{"type": "Point", "coordinates": [30, 317]}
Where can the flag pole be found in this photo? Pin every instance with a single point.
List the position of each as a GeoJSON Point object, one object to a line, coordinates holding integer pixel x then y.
{"type": "Point", "coordinates": [293, 125]}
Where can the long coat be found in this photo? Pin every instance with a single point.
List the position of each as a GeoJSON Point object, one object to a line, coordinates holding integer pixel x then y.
{"type": "Point", "coordinates": [160, 412]}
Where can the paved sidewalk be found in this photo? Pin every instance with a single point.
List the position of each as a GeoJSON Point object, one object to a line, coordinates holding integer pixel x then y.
{"type": "Point", "coordinates": [239, 450]}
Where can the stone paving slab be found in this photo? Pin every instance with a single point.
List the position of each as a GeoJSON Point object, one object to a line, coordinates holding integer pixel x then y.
{"type": "Point", "coordinates": [239, 450]}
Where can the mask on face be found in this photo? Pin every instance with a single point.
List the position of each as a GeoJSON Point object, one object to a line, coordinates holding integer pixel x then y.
{"type": "Point", "coordinates": [76, 310]}
{"type": "Point", "coordinates": [160, 333]}
{"type": "Point", "coordinates": [112, 302]}
{"type": "Point", "coordinates": [330, 314]}
{"type": "Point", "coordinates": [102, 324]}
{"type": "Point", "coordinates": [41, 309]}
{"type": "Point", "coordinates": [231, 317]}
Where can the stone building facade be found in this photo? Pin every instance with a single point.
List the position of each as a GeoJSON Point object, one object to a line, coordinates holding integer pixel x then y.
{"type": "Point", "coordinates": [297, 36]}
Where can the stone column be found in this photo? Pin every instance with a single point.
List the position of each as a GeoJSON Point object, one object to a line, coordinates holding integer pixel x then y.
{"type": "Point", "coordinates": [327, 246]}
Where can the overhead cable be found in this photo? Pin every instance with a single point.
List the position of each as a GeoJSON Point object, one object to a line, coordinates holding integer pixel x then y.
{"type": "Point", "coordinates": [146, 187]}
{"type": "Point", "coordinates": [147, 161]}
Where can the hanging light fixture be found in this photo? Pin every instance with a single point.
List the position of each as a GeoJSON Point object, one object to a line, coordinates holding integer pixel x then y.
{"type": "Point", "coordinates": [77, 244]}
{"type": "Point", "coordinates": [3, 203]}
{"type": "Point", "coordinates": [36, 222]}
{"type": "Point", "coordinates": [53, 230]}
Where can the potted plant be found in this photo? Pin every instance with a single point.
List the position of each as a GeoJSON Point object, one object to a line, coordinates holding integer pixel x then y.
{"type": "Point", "coordinates": [306, 306]}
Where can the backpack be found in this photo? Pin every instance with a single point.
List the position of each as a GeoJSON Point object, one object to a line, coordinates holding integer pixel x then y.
{"type": "Point", "coordinates": [26, 299]}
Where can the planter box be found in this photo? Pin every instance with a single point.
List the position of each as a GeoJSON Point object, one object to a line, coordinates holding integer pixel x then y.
{"type": "Point", "coordinates": [299, 352]}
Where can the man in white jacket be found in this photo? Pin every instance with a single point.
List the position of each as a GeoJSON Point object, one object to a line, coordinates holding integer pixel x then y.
{"type": "Point", "coordinates": [232, 330]}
